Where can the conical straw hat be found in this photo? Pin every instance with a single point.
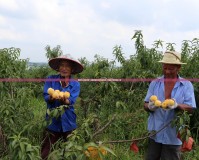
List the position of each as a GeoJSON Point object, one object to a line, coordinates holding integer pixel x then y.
{"type": "Point", "coordinates": [76, 65]}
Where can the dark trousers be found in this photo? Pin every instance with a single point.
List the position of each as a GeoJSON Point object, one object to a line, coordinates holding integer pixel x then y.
{"type": "Point", "coordinates": [157, 151]}
{"type": "Point", "coordinates": [50, 138]}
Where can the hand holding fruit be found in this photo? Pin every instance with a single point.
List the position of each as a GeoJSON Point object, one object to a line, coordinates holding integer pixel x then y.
{"type": "Point", "coordinates": [172, 104]}
{"type": "Point", "coordinates": [52, 93]}
{"type": "Point", "coordinates": [58, 95]}
{"type": "Point", "coordinates": [63, 96]}
{"type": "Point", "coordinates": [153, 103]}
{"type": "Point", "coordinates": [169, 104]}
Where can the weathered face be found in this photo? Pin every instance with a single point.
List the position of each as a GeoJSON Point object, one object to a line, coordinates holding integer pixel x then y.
{"type": "Point", "coordinates": [171, 70]}
{"type": "Point", "coordinates": [65, 69]}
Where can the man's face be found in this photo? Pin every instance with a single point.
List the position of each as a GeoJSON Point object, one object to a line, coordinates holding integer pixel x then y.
{"type": "Point", "coordinates": [65, 69]}
{"type": "Point", "coordinates": [170, 70]}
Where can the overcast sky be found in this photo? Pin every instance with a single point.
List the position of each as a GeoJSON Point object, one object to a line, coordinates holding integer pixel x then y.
{"type": "Point", "coordinates": [84, 28]}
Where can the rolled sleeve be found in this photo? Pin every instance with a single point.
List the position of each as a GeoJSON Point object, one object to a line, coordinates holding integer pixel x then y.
{"type": "Point", "coordinates": [189, 97]}
{"type": "Point", "coordinates": [74, 93]}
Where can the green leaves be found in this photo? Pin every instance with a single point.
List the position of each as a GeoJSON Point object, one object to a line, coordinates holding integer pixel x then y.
{"type": "Point", "coordinates": [22, 149]}
{"type": "Point", "coordinates": [117, 52]}
{"type": "Point", "coordinates": [120, 104]}
{"type": "Point", "coordinates": [182, 122]}
{"type": "Point", "coordinates": [57, 112]}
{"type": "Point", "coordinates": [54, 52]}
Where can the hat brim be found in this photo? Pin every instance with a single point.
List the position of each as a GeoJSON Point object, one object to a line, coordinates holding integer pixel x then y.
{"type": "Point", "coordinates": [76, 66]}
{"type": "Point", "coordinates": [171, 62]}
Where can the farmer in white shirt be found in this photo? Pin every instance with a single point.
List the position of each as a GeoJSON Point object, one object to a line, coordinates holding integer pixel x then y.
{"type": "Point", "coordinates": [165, 145]}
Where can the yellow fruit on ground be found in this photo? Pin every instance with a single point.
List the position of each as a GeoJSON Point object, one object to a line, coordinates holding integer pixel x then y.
{"type": "Point", "coordinates": [170, 102]}
{"type": "Point", "coordinates": [66, 94]}
{"type": "Point", "coordinates": [153, 98]}
{"type": "Point", "coordinates": [91, 148]}
{"type": "Point", "coordinates": [55, 95]}
{"type": "Point", "coordinates": [164, 104]}
{"type": "Point", "coordinates": [50, 91]}
{"type": "Point", "coordinates": [93, 152]}
{"type": "Point", "coordinates": [157, 103]}
{"type": "Point", "coordinates": [61, 94]}
{"type": "Point", "coordinates": [103, 151]}
{"type": "Point", "coordinates": [87, 154]}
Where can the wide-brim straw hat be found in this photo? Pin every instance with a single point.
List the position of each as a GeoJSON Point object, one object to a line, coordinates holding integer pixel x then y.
{"type": "Point", "coordinates": [171, 57]}
{"type": "Point", "coordinates": [77, 67]}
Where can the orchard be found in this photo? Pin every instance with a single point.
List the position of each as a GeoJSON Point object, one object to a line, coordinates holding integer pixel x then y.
{"type": "Point", "coordinates": [112, 123]}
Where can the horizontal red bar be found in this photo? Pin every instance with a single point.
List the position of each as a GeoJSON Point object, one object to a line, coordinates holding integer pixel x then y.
{"type": "Point", "coordinates": [93, 79]}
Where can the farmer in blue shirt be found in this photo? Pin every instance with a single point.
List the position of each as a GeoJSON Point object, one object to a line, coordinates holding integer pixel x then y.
{"type": "Point", "coordinates": [165, 145]}
{"type": "Point", "coordinates": [62, 126]}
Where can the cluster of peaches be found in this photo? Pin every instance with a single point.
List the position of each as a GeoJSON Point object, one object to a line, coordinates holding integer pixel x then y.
{"type": "Point", "coordinates": [57, 94]}
{"type": "Point", "coordinates": [93, 153]}
{"type": "Point", "coordinates": [166, 104]}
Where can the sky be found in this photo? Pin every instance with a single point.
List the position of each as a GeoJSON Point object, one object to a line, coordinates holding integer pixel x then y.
{"type": "Point", "coordinates": [84, 28]}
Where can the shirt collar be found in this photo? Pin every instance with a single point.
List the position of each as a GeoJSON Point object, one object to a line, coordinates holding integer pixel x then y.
{"type": "Point", "coordinates": [70, 80]}
{"type": "Point", "coordinates": [181, 80]}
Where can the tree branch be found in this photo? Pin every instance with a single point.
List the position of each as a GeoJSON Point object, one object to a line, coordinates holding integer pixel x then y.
{"type": "Point", "coordinates": [141, 138]}
{"type": "Point", "coordinates": [104, 127]}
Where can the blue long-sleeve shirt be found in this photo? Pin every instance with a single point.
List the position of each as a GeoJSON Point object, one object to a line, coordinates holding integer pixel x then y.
{"type": "Point", "coordinates": [183, 93]}
{"type": "Point", "coordinates": [67, 121]}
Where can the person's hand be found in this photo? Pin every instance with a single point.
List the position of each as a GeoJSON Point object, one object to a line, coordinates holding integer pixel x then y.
{"type": "Point", "coordinates": [51, 98]}
{"type": "Point", "coordinates": [151, 106]}
{"type": "Point", "coordinates": [173, 104]}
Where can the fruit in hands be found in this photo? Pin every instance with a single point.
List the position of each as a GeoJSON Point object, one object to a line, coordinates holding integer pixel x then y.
{"type": "Point", "coordinates": [55, 95]}
{"type": "Point", "coordinates": [164, 104]}
{"type": "Point", "coordinates": [66, 94]}
{"type": "Point", "coordinates": [170, 102]}
{"type": "Point", "coordinates": [167, 103]}
{"type": "Point", "coordinates": [50, 91]}
{"type": "Point", "coordinates": [157, 103]}
{"type": "Point", "coordinates": [58, 91]}
{"type": "Point", "coordinates": [61, 94]}
{"type": "Point", "coordinates": [153, 98]}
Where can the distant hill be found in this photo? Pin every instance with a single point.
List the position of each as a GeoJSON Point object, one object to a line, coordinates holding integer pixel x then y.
{"type": "Point", "coordinates": [36, 64]}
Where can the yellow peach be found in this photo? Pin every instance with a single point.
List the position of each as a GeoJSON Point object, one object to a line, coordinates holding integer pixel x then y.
{"type": "Point", "coordinates": [50, 91]}
{"type": "Point", "coordinates": [61, 94]}
{"type": "Point", "coordinates": [153, 98]}
{"type": "Point", "coordinates": [164, 104]}
{"type": "Point", "coordinates": [55, 95]}
{"type": "Point", "coordinates": [157, 103]}
{"type": "Point", "coordinates": [170, 102]}
{"type": "Point", "coordinates": [66, 94]}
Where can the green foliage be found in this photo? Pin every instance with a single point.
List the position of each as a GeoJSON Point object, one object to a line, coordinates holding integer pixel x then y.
{"type": "Point", "coordinates": [11, 66]}
{"type": "Point", "coordinates": [193, 154]}
{"type": "Point", "coordinates": [182, 122]}
{"type": "Point", "coordinates": [15, 109]}
{"type": "Point", "coordinates": [56, 112]}
{"type": "Point", "coordinates": [38, 73]}
{"type": "Point", "coordinates": [22, 149]}
{"type": "Point", "coordinates": [54, 52]}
